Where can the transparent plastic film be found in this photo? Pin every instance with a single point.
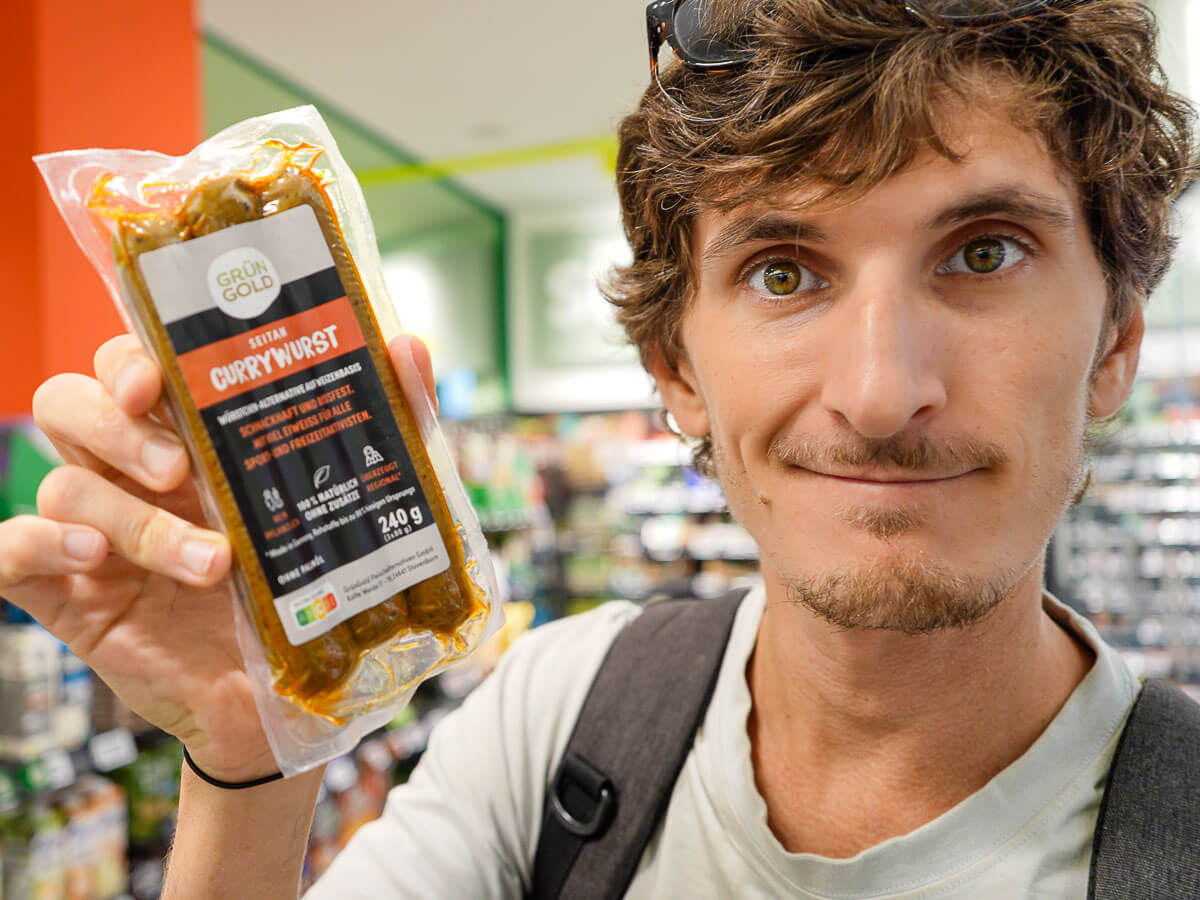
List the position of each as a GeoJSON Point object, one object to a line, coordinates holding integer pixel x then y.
{"type": "Point", "coordinates": [250, 272]}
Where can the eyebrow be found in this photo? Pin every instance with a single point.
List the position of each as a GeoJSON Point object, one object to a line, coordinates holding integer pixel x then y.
{"type": "Point", "coordinates": [1007, 200]}
{"type": "Point", "coordinates": [751, 229]}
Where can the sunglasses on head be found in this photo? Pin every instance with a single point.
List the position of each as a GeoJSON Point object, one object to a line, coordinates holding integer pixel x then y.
{"type": "Point", "coordinates": [703, 45]}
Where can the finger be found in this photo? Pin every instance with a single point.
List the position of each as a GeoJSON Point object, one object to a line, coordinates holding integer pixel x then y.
{"type": "Point", "coordinates": [81, 419]}
{"type": "Point", "coordinates": [31, 547]}
{"type": "Point", "coordinates": [50, 394]}
{"type": "Point", "coordinates": [139, 531]}
{"type": "Point", "coordinates": [76, 456]}
{"type": "Point", "coordinates": [129, 374]}
{"type": "Point", "coordinates": [409, 350]}
{"type": "Point", "coordinates": [55, 400]}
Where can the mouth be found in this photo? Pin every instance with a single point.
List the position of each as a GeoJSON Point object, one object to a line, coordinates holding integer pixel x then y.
{"type": "Point", "coordinates": [893, 479]}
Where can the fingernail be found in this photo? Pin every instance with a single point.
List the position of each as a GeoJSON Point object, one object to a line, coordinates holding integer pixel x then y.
{"type": "Point", "coordinates": [159, 455]}
{"type": "Point", "coordinates": [127, 375]}
{"type": "Point", "coordinates": [198, 555]}
{"type": "Point", "coordinates": [81, 545]}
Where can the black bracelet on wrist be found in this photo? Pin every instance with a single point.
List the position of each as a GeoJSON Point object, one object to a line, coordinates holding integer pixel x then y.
{"type": "Point", "coordinates": [227, 785]}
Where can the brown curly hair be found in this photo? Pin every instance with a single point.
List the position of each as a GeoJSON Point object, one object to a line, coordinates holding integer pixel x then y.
{"type": "Point", "coordinates": [848, 91]}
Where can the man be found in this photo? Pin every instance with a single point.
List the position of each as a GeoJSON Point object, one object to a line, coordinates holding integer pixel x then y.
{"type": "Point", "coordinates": [888, 265]}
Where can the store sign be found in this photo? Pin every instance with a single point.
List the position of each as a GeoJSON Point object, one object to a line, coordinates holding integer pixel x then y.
{"type": "Point", "coordinates": [574, 325]}
{"type": "Point", "coordinates": [566, 349]}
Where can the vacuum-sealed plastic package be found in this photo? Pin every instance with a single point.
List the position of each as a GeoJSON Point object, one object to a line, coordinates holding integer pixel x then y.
{"type": "Point", "coordinates": [249, 270]}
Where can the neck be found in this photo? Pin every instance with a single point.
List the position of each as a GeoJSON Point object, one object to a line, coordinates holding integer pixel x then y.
{"type": "Point", "coordinates": [885, 731]}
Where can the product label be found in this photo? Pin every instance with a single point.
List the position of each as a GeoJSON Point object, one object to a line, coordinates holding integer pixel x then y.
{"type": "Point", "coordinates": [276, 362]}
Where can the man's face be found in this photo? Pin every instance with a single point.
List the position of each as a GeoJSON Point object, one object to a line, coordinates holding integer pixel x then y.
{"type": "Point", "coordinates": [897, 388]}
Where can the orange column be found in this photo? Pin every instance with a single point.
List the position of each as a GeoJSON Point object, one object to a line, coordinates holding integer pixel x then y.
{"type": "Point", "coordinates": [106, 73]}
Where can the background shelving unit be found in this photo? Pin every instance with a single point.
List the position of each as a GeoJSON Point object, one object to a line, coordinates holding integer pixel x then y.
{"type": "Point", "coordinates": [1128, 555]}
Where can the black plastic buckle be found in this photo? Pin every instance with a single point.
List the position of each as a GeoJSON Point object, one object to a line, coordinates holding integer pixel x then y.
{"type": "Point", "coordinates": [593, 788]}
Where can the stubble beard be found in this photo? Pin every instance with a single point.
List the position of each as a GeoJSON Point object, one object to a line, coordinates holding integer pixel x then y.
{"type": "Point", "coordinates": [911, 594]}
{"type": "Point", "coordinates": [914, 596]}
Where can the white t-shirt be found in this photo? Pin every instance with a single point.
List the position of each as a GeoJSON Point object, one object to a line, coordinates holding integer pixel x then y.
{"type": "Point", "coordinates": [467, 822]}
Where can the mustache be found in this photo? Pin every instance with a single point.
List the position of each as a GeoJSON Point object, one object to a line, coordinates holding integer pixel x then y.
{"type": "Point", "coordinates": [915, 453]}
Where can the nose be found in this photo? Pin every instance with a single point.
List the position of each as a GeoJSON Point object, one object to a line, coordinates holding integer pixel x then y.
{"type": "Point", "coordinates": [882, 362]}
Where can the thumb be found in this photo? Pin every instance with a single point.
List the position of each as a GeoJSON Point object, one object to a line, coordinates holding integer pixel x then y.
{"type": "Point", "coordinates": [408, 351]}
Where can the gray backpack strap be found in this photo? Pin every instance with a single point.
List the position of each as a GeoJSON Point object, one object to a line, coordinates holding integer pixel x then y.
{"type": "Point", "coordinates": [629, 744]}
{"type": "Point", "coordinates": [1147, 842]}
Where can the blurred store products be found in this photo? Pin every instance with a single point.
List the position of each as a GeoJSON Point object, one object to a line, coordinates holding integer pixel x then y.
{"type": "Point", "coordinates": [1129, 554]}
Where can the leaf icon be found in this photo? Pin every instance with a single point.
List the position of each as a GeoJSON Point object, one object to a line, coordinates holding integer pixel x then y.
{"type": "Point", "coordinates": [321, 477]}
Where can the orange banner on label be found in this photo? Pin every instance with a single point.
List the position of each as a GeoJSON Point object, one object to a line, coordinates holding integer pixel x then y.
{"type": "Point", "coordinates": [224, 369]}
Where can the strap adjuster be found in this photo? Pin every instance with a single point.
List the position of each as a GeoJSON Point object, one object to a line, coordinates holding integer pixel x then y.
{"type": "Point", "coordinates": [589, 787]}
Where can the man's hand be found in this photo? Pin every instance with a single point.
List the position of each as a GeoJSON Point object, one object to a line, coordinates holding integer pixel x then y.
{"type": "Point", "coordinates": [120, 566]}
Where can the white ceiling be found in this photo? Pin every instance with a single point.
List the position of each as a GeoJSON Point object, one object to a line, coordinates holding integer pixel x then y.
{"type": "Point", "coordinates": [446, 79]}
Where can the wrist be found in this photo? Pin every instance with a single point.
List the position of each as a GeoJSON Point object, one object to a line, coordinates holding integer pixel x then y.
{"type": "Point", "coordinates": [218, 767]}
{"type": "Point", "coordinates": [241, 843]}
{"type": "Point", "coordinates": [229, 785]}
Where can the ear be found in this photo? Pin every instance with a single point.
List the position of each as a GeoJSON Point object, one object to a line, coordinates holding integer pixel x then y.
{"type": "Point", "coordinates": [681, 395]}
{"type": "Point", "coordinates": [1113, 378]}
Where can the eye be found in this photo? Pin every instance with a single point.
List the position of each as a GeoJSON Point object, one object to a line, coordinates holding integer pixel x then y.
{"type": "Point", "coordinates": [782, 278]}
{"type": "Point", "coordinates": [983, 256]}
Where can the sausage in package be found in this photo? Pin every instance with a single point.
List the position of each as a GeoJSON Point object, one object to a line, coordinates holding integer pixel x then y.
{"type": "Point", "coordinates": [249, 269]}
